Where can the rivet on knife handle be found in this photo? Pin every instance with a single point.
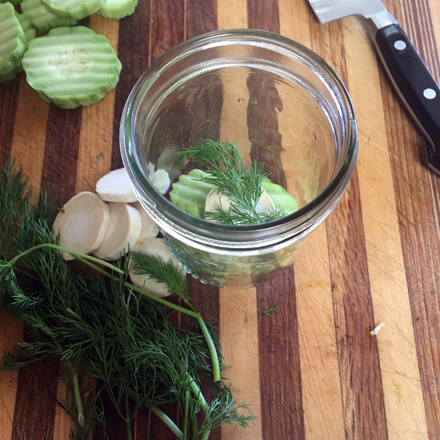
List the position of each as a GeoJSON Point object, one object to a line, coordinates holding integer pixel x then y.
{"type": "Point", "coordinates": [415, 85]}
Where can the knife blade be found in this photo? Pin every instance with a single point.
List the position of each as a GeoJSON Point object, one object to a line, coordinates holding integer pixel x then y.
{"type": "Point", "coordinates": [408, 73]}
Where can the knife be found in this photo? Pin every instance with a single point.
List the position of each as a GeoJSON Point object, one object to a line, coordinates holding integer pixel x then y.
{"type": "Point", "coordinates": [408, 73]}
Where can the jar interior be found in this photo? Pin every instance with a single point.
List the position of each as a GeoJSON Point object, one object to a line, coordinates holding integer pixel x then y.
{"type": "Point", "coordinates": [277, 110]}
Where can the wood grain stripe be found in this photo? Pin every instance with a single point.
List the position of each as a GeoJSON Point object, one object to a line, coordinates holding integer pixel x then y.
{"type": "Point", "coordinates": [95, 143]}
{"type": "Point", "coordinates": [417, 201]}
{"type": "Point", "coordinates": [61, 152]}
{"type": "Point", "coordinates": [36, 400]}
{"type": "Point", "coordinates": [8, 101]}
{"type": "Point", "coordinates": [133, 52]}
{"type": "Point", "coordinates": [282, 413]}
{"type": "Point", "coordinates": [9, 331]}
{"type": "Point", "coordinates": [264, 14]}
{"type": "Point", "coordinates": [231, 15]}
{"type": "Point", "coordinates": [403, 398]}
{"type": "Point", "coordinates": [239, 323]}
{"type": "Point", "coordinates": [362, 393]}
{"type": "Point", "coordinates": [30, 133]}
{"type": "Point", "coordinates": [201, 17]}
{"type": "Point", "coordinates": [167, 26]}
{"type": "Point", "coordinates": [322, 400]}
{"type": "Point", "coordinates": [415, 204]}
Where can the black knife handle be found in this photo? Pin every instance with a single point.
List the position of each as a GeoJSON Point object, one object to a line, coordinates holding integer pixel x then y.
{"type": "Point", "coordinates": [415, 85]}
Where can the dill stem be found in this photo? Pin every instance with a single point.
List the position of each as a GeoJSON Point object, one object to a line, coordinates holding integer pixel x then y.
{"type": "Point", "coordinates": [77, 394]}
{"type": "Point", "coordinates": [127, 418]}
{"type": "Point", "coordinates": [185, 415]}
{"type": "Point", "coordinates": [77, 255]}
{"type": "Point", "coordinates": [173, 427]}
{"type": "Point", "coordinates": [74, 374]}
{"type": "Point", "coordinates": [202, 402]}
{"type": "Point", "coordinates": [212, 349]}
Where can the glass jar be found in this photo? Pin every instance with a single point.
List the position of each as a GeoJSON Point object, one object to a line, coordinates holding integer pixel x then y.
{"type": "Point", "coordinates": [280, 103]}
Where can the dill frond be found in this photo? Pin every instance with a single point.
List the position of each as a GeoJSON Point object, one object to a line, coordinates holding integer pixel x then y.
{"type": "Point", "coordinates": [241, 183]}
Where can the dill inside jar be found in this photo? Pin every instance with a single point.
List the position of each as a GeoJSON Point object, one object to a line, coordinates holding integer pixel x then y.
{"type": "Point", "coordinates": [227, 190]}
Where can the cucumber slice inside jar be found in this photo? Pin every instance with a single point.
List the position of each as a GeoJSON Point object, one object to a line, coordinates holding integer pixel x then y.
{"type": "Point", "coordinates": [76, 9]}
{"type": "Point", "coordinates": [71, 66]}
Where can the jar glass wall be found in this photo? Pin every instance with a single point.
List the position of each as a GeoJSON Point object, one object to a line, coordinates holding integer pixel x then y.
{"type": "Point", "coordinates": [280, 103]}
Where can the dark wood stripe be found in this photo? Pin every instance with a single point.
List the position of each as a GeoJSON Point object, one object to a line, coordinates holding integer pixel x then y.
{"type": "Point", "coordinates": [61, 152]}
{"type": "Point", "coordinates": [167, 26]}
{"type": "Point", "coordinates": [36, 399]}
{"type": "Point", "coordinates": [282, 413]}
{"type": "Point", "coordinates": [359, 368]}
{"type": "Point", "coordinates": [262, 116]}
{"type": "Point", "coordinates": [263, 14]}
{"type": "Point", "coordinates": [418, 25]}
{"type": "Point", "coordinates": [133, 52]}
{"type": "Point", "coordinates": [201, 17]}
{"type": "Point", "coordinates": [8, 107]}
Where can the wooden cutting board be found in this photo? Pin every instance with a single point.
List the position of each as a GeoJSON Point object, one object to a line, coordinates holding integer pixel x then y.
{"type": "Point", "coordinates": [312, 370]}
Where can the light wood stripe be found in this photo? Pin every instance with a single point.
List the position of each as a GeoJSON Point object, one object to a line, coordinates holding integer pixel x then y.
{"type": "Point", "coordinates": [239, 330]}
{"type": "Point", "coordinates": [231, 15]}
{"type": "Point", "coordinates": [10, 329]}
{"type": "Point", "coordinates": [95, 143]}
{"type": "Point", "coordinates": [30, 133]}
{"type": "Point", "coordinates": [397, 351]}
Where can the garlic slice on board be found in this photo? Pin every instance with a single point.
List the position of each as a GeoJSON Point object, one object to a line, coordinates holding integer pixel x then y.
{"type": "Point", "coordinates": [82, 223]}
{"type": "Point", "coordinates": [116, 187]}
{"type": "Point", "coordinates": [149, 228]}
{"type": "Point", "coordinates": [123, 231]}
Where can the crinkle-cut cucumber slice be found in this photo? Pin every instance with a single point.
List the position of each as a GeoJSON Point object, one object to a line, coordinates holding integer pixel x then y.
{"type": "Point", "coordinates": [117, 8]}
{"type": "Point", "coordinates": [189, 193]}
{"type": "Point", "coordinates": [12, 39]}
{"type": "Point", "coordinates": [29, 31]}
{"type": "Point", "coordinates": [71, 66]}
{"type": "Point", "coordinates": [76, 9]}
{"type": "Point", "coordinates": [30, 34]}
{"type": "Point", "coordinates": [280, 197]}
{"type": "Point", "coordinates": [42, 18]}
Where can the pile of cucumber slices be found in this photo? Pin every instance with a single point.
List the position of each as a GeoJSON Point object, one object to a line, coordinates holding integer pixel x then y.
{"type": "Point", "coordinates": [65, 63]}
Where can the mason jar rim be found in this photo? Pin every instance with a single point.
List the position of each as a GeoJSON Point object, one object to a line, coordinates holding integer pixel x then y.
{"type": "Point", "coordinates": [178, 222]}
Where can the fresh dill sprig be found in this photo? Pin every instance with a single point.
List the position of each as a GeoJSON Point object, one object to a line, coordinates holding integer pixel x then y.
{"type": "Point", "coordinates": [105, 327]}
{"type": "Point", "coordinates": [240, 183]}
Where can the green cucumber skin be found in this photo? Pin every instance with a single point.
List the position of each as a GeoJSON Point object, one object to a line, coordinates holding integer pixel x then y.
{"type": "Point", "coordinates": [92, 68]}
{"type": "Point", "coordinates": [12, 39]}
{"type": "Point", "coordinates": [117, 9]}
{"type": "Point", "coordinates": [280, 197]}
{"type": "Point", "coordinates": [74, 9]}
{"type": "Point", "coordinates": [42, 18]}
{"type": "Point", "coordinates": [189, 193]}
